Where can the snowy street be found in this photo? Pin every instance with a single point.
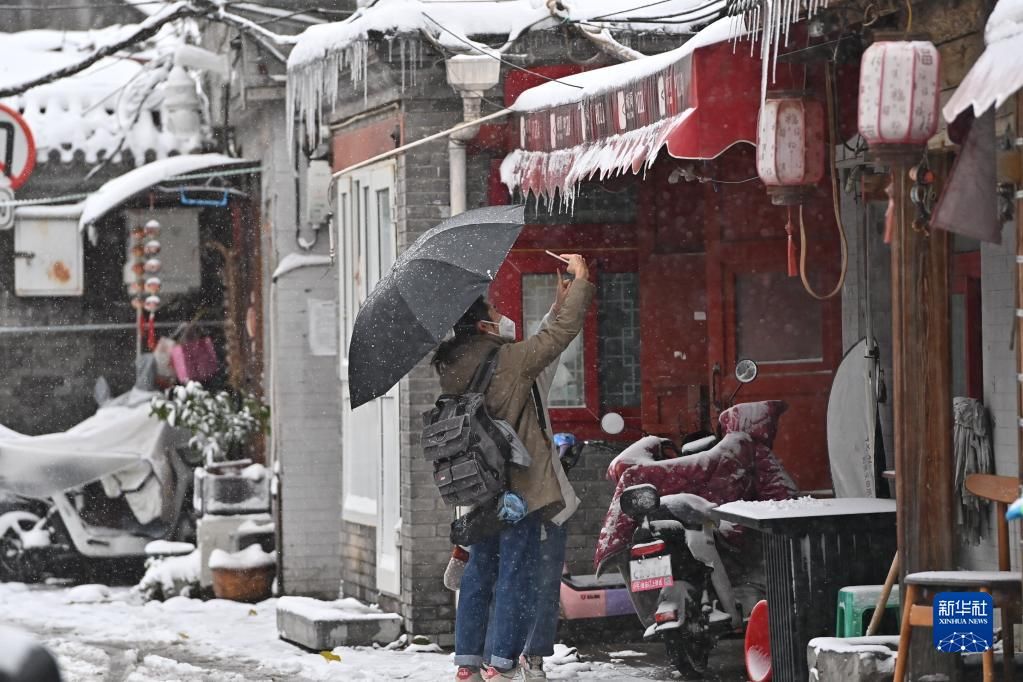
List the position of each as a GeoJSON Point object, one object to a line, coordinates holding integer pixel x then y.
{"type": "Point", "coordinates": [102, 633]}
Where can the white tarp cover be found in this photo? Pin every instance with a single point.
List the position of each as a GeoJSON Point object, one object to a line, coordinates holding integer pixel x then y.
{"type": "Point", "coordinates": [121, 445]}
{"type": "Point", "coordinates": [998, 73]}
{"type": "Point", "coordinates": [120, 189]}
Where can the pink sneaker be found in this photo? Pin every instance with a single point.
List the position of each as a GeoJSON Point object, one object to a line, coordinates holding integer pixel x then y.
{"type": "Point", "coordinates": [466, 674]}
{"type": "Point", "coordinates": [492, 673]}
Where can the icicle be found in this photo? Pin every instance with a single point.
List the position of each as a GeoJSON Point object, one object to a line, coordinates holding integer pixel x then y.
{"type": "Point", "coordinates": [401, 48]}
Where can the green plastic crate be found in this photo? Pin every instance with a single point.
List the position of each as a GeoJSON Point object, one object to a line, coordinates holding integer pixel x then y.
{"type": "Point", "coordinates": [856, 606]}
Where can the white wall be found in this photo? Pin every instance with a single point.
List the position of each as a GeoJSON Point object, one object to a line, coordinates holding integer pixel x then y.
{"type": "Point", "coordinates": [998, 265]}
{"type": "Point", "coordinates": [302, 388]}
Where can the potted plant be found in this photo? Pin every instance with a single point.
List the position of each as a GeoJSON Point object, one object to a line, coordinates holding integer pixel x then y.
{"type": "Point", "coordinates": [222, 424]}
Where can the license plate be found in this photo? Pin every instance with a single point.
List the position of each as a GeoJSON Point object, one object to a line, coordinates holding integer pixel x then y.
{"type": "Point", "coordinates": [651, 573]}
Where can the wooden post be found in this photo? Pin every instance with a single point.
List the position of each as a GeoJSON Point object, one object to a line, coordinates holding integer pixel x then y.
{"type": "Point", "coordinates": [922, 405]}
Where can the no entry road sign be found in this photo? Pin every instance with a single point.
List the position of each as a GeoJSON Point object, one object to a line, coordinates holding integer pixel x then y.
{"type": "Point", "coordinates": [17, 147]}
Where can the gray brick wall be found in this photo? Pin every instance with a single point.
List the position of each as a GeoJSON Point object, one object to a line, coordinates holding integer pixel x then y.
{"type": "Point", "coordinates": [998, 268]}
{"type": "Point", "coordinates": [302, 387]}
{"type": "Point", "coordinates": [359, 561]}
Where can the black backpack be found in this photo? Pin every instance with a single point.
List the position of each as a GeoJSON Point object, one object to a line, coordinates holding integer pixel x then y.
{"type": "Point", "coordinates": [469, 449]}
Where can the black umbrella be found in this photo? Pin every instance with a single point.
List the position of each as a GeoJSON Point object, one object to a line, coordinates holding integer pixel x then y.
{"type": "Point", "coordinates": [431, 284]}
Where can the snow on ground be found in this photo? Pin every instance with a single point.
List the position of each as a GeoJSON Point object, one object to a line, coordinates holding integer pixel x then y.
{"type": "Point", "coordinates": [125, 638]}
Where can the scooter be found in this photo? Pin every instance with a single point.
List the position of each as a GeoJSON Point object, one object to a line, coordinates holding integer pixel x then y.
{"type": "Point", "coordinates": [587, 596]}
{"type": "Point", "coordinates": [111, 516]}
{"type": "Point", "coordinates": [689, 584]}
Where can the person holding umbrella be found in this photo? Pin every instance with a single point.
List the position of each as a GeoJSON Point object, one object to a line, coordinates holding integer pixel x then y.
{"type": "Point", "coordinates": [502, 567]}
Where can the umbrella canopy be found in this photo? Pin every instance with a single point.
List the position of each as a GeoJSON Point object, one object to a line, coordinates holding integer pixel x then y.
{"type": "Point", "coordinates": [430, 286]}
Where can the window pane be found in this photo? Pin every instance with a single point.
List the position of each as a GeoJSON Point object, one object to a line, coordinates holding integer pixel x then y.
{"type": "Point", "coordinates": [567, 390]}
{"type": "Point", "coordinates": [776, 321]}
{"type": "Point", "coordinates": [618, 324]}
{"type": "Point", "coordinates": [386, 246]}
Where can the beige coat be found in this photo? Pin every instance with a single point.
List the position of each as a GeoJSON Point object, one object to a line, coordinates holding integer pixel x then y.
{"type": "Point", "coordinates": [510, 396]}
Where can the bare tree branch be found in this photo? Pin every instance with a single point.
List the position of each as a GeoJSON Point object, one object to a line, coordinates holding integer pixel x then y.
{"type": "Point", "coordinates": [146, 30]}
{"type": "Point", "coordinates": [254, 30]}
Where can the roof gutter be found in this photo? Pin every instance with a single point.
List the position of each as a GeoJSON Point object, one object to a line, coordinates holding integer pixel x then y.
{"type": "Point", "coordinates": [418, 143]}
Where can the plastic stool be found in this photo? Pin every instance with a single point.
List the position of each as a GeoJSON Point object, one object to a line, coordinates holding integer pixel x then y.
{"type": "Point", "coordinates": [855, 604]}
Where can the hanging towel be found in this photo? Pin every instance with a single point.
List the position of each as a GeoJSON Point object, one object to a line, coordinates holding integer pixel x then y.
{"type": "Point", "coordinates": [973, 455]}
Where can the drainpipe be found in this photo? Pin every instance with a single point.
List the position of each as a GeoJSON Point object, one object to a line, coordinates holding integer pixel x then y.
{"type": "Point", "coordinates": [470, 75]}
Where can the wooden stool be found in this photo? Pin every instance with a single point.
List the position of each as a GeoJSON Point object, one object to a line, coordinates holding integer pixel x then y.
{"type": "Point", "coordinates": [920, 588]}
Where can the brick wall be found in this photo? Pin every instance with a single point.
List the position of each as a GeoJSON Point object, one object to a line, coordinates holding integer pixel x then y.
{"type": "Point", "coordinates": [359, 561]}
{"type": "Point", "coordinates": [302, 388]}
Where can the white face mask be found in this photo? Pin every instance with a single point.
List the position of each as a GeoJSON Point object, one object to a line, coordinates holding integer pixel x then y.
{"type": "Point", "coordinates": [505, 328]}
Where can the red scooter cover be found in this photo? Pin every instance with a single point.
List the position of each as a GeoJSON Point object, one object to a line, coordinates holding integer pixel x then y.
{"type": "Point", "coordinates": [740, 467]}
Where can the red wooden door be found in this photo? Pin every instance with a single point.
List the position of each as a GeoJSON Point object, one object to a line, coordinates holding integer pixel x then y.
{"type": "Point", "coordinates": [756, 311]}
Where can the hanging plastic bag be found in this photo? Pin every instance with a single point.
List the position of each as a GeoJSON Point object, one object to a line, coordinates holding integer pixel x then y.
{"type": "Point", "coordinates": [194, 359]}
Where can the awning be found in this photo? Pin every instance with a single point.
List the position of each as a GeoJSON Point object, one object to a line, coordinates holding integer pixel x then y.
{"type": "Point", "coordinates": [696, 101]}
{"type": "Point", "coordinates": [115, 192]}
{"type": "Point", "coordinates": [998, 73]}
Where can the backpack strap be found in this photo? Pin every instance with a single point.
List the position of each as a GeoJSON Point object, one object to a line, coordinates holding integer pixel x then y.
{"type": "Point", "coordinates": [484, 374]}
{"type": "Point", "coordinates": [538, 404]}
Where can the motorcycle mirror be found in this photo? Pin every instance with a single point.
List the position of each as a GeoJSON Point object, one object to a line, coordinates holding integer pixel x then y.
{"type": "Point", "coordinates": [612, 423]}
{"type": "Point", "coordinates": [745, 371]}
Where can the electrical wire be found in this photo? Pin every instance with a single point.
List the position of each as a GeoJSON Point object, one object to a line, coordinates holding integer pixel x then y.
{"type": "Point", "coordinates": [713, 15]}
{"type": "Point", "coordinates": [715, 7]}
{"type": "Point", "coordinates": [843, 244]}
{"type": "Point", "coordinates": [632, 9]}
{"type": "Point", "coordinates": [492, 56]}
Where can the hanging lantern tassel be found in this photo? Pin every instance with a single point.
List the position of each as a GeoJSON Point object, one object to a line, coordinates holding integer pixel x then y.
{"type": "Point", "coordinates": [793, 254]}
{"type": "Point", "coordinates": [152, 305]}
{"type": "Point", "coordinates": [889, 215]}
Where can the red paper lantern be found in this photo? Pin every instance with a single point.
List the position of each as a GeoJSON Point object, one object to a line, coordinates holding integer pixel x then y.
{"type": "Point", "coordinates": [899, 100]}
{"type": "Point", "coordinates": [790, 146]}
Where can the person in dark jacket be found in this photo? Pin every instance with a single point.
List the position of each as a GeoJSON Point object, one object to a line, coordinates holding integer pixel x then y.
{"type": "Point", "coordinates": [502, 567]}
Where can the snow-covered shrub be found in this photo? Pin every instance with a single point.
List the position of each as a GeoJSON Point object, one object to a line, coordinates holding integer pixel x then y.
{"type": "Point", "coordinates": [220, 422]}
{"type": "Point", "coordinates": [166, 577]}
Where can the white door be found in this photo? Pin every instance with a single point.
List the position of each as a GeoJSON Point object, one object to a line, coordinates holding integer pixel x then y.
{"type": "Point", "coordinates": [370, 454]}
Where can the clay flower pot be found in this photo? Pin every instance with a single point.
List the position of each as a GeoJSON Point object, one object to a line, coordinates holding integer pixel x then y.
{"type": "Point", "coordinates": [243, 584]}
{"type": "Point", "coordinates": [246, 575]}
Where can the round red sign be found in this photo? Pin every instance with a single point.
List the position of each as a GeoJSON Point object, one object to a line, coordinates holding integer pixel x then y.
{"type": "Point", "coordinates": [17, 147]}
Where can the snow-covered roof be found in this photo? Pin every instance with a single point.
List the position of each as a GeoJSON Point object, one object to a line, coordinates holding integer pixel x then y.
{"type": "Point", "coordinates": [90, 111]}
{"type": "Point", "coordinates": [998, 73]}
{"type": "Point", "coordinates": [322, 52]}
{"type": "Point", "coordinates": [468, 18]}
{"type": "Point", "coordinates": [115, 192]}
{"type": "Point", "coordinates": [588, 84]}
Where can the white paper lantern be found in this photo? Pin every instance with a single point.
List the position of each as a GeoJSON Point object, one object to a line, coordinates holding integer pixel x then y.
{"type": "Point", "coordinates": [790, 146]}
{"type": "Point", "coordinates": [900, 85]}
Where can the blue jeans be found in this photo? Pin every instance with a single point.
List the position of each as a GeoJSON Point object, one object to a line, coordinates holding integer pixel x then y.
{"type": "Point", "coordinates": [502, 569]}
{"type": "Point", "coordinates": [548, 592]}
{"type": "Point", "coordinates": [548, 595]}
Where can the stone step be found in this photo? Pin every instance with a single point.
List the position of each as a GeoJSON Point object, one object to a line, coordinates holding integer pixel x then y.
{"type": "Point", "coordinates": [322, 625]}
